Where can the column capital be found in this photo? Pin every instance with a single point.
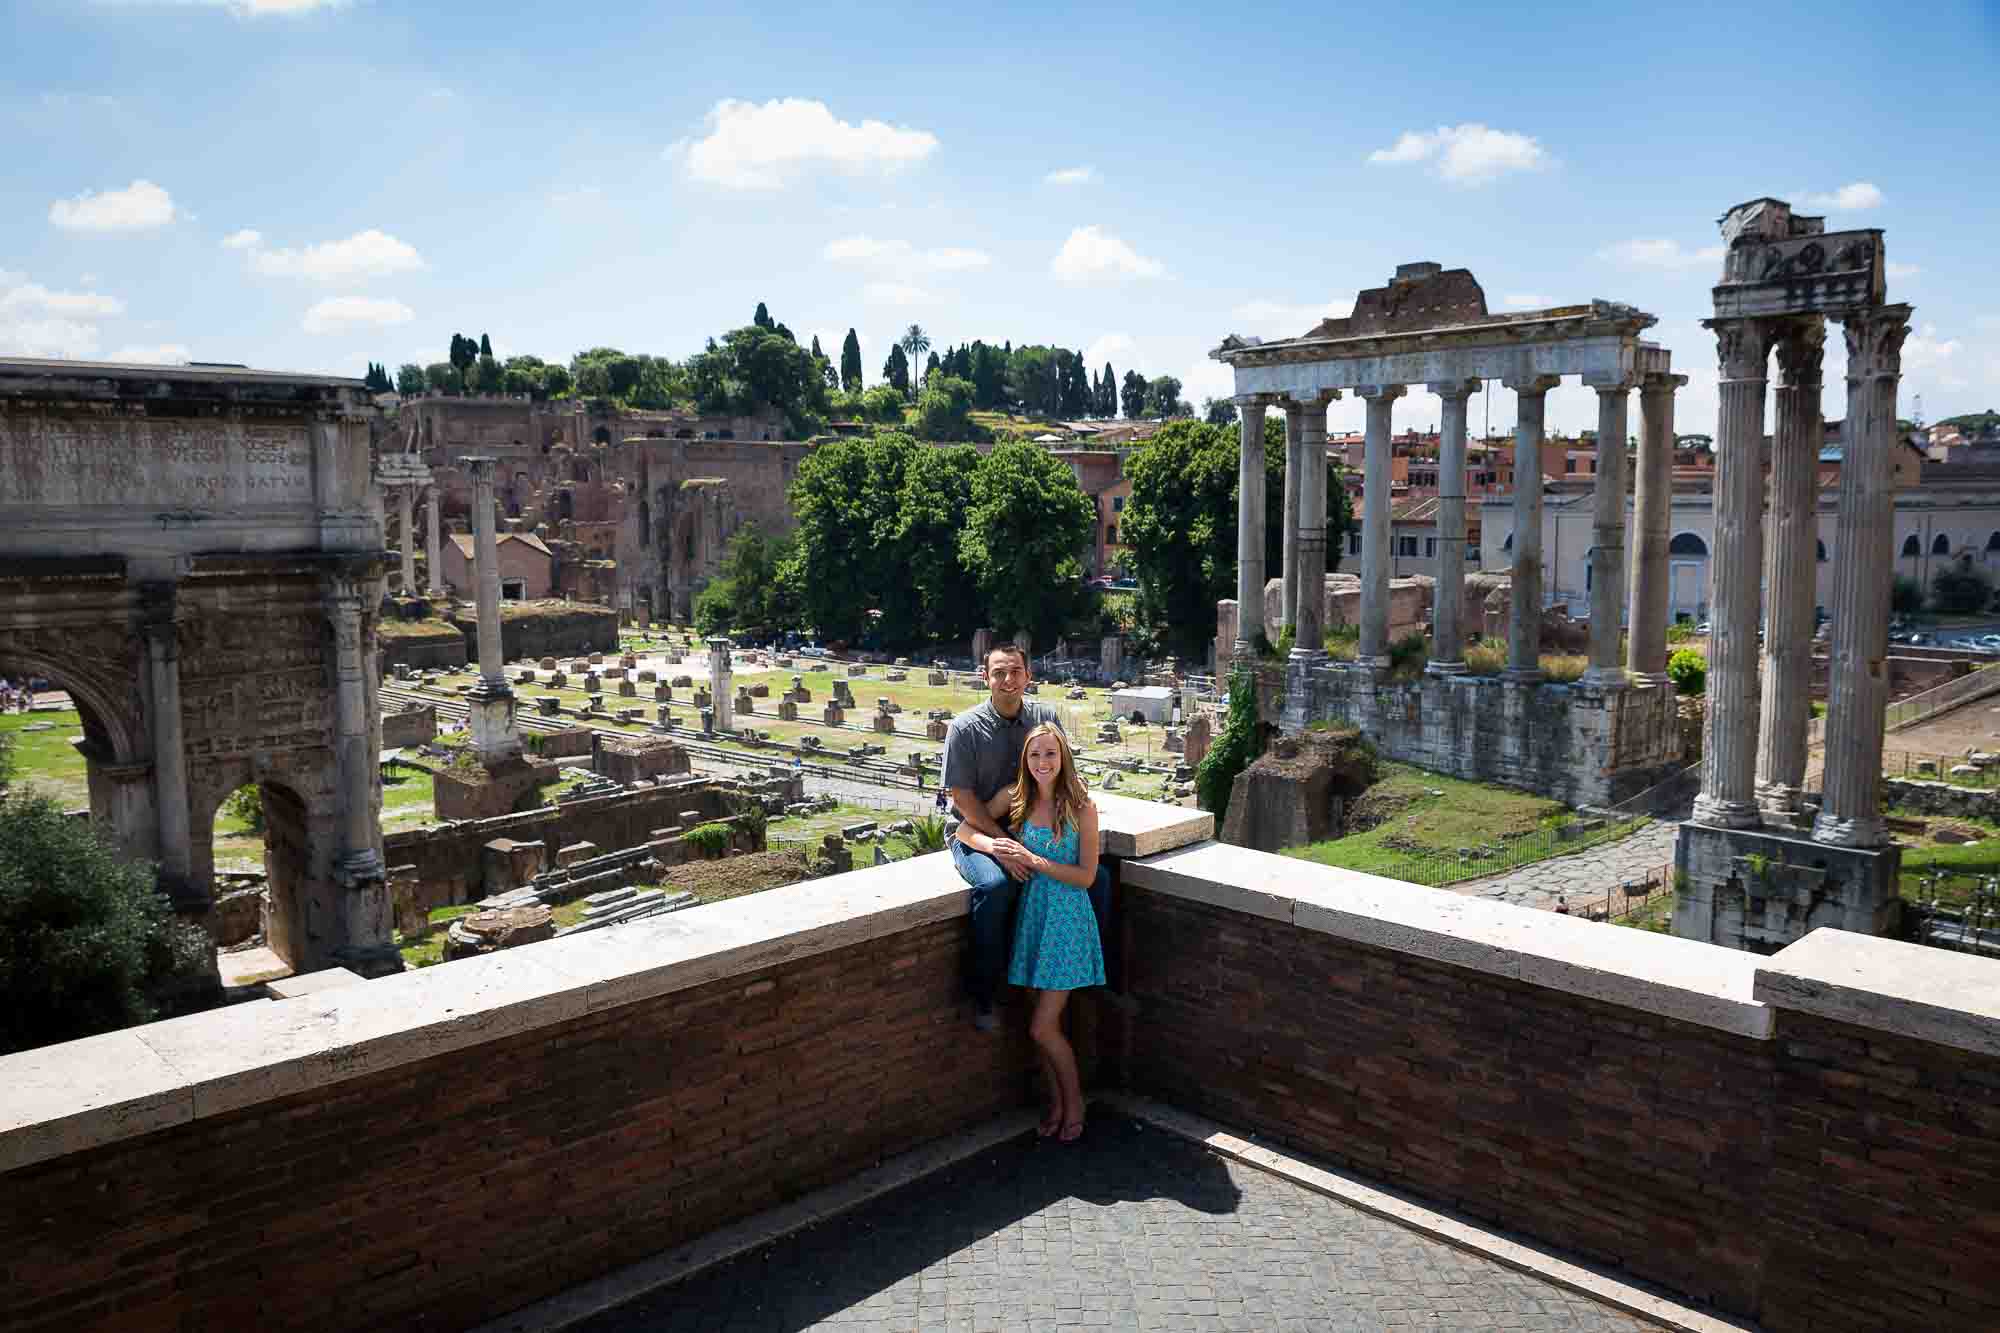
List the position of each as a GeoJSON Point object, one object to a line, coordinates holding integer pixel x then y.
{"type": "Point", "coordinates": [1611, 382]}
{"type": "Point", "coordinates": [1316, 398]}
{"type": "Point", "coordinates": [479, 465]}
{"type": "Point", "coordinates": [1259, 401]}
{"type": "Point", "coordinates": [1661, 382]}
{"type": "Point", "coordinates": [1531, 386]}
{"type": "Point", "coordinates": [1455, 389]}
{"type": "Point", "coordinates": [1372, 392]}
{"type": "Point", "coordinates": [159, 606]}
{"type": "Point", "coordinates": [1875, 342]}
{"type": "Point", "coordinates": [1742, 346]}
{"type": "Point", "coordinates": [1801, 349]}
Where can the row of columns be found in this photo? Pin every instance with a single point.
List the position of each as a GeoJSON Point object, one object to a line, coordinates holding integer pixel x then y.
{"type": "Point", "coordinates": [1756, 740]}
{"type": "Point", "coordinates": [1611, 589]}
{"type": "Point", "coordinates": [406, 498]}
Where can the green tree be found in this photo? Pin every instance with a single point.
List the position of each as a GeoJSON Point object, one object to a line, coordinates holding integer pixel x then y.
{"type": "Point", "coordinates": [485, 346]}
{"type": "Point", "coordinates": [486, 375]}
{"type": "Point", "coordinates": [410, 379]}
{"type": "Point", "coordinates": [1107, 393]}
{"type": "Point", "coordinates": [444, 377]}
{"type": "Point", "coordinates": [883, 404]}
{"type": "Point", "coordinates": [84, 934]}
{"type": "Point", "coordinates": [762, 318]}
{"type": "Point", "coordinates": [1906, 596]}
{"type": "Point", "coordinates": [749, 591]}
{"type": "Point", "coordinates": [1163, 397]}
{"type": "Point", "coordinates": [915, 342]}
{"type": "Point", "coordinates": [850, 364]}
{"type": "Point", "coordinates": [896, 370]}
{"type": "Point", "coordinates": [1235, 748]}
{"type": "Point", "coordinates": [1688, 670]}
{"type": "Point", "coordinates": [1959, 589]}
{"type": "Point", "coordinates": [1132, 395]}
{"type": "Point", "coordinates": [846, 498]}
{"type": "Point", "coordinates": [937, 596]}
{"type": "Point", "coordinates": [944, 411]}
{"type": "Point", "coordinates": [1027, 527]}
{"type": "Point", "coordinates": [1218, 411]}
{"type": "Point", "coordinates": [755, 367]}
{"type": "Point", "coordinates": [524, 374]}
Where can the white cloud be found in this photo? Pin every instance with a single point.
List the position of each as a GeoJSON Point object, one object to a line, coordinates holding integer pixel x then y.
{"type": "Point", "coordinates": [1924, 353]}
{"type": "Point", "coordinates": [67, 339]}
{"type": "Point", "coordinates": [20, 297]}
{"type": "Point", "coordinates": [370, 253]}
{"type": "Point", "coordinates": [902, 256]}
{"type": "Point", "coordinates": [1903, 270]}
{"type": "Point", "coordinates": [1854, 198]}
{"type": "Point", "coordinates": [156, 354]}
{"type": "Point", "coordinates": [35, 321]}
{"type": "Point", "coordinates": [140, 206]}
{"type": "Point", "coordinates": [764, 146]}
{"type": "Point", "coordinates": [1092, 254]}
{"type": "Point", "coordinates": [1072, 176]}
{"type": "Point", "coordinates": [895, 293]}
{"type": "Point", "coordinates": [1469, 154]}
{"type": "Point", "coordinates": [1657, 253]}
{"type": "Point", "coordinates": [1207, 379]}
{"type": "Point", "coordinates": [1525, 301]}
{"type": "Point", "coordinates": [340, 313]}
{"type": "Point", "coordinates": [244, 239]}
{"type": "Point", "coordinates": [1110, 347]}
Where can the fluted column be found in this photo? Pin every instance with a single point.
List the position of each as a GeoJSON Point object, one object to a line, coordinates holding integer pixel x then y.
{"type": "Point", "coordinates": [1851, 815]}
{"type": "Point", "coordinates": [1374, 647]}
{"type": "Point", "coordinates": [1729, 769]}
{"type": "Point", "coordinates": [1309, 616]}
{"type": "Point", "coordinates": [1448, 598]}
{"type": "Point", "coordinates": [346, 596]}
{"type": "Point", "coordinates": [433, 541]}
{"type": "Point", "coordinates": [1652, 505]}
{"type": "Point", "coordinates": [406, 499]}
{"type": "Point", "coordinates": [1791, 559]}
{"type": "Point", "coordinates": [159, 619]}
{"type": "Point", "coordinates": [1607, 555]}
{"type": "Point", "coordinates": [1250, 528]}
{"type": "Point", "coordinates": [1288, 603]}
{"type": "Point", "coordinates": [1524, 617]}
{"type": "Point", "coordinates": [494, 736]}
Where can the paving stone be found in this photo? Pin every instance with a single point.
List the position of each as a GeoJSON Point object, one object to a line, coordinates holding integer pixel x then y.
{"type": "Point", "coordinates": [1130, 1229]}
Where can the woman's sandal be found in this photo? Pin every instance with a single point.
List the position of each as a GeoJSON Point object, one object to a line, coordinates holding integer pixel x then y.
{"type": "Point", "coordinates": [1072, 1130]}
{"type": "Point", "coordinates": [1050, 1124]}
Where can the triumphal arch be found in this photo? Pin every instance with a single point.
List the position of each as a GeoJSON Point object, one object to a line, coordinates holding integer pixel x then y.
{"type": "Point", "coordinates": [196, 555]}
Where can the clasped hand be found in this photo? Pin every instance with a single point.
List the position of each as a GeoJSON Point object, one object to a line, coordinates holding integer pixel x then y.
{"type": "Point", "coordinates": [1015, 859]}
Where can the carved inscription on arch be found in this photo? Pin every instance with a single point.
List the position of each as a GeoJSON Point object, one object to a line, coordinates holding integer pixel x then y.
{"type": "Point", "coordinates": [156, 464]}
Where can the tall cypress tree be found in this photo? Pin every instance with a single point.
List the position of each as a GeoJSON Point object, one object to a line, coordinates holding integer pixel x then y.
{"type": "Point", "coordinates": [762, 319]}
{"type": "Point", "coordinates": [485, 346]}
{"type": "Point", "coordinates": [850, 363]}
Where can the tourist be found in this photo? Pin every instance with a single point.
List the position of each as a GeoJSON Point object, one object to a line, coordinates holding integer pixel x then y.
{"type": "Point", "coordinates": [1056, 943]}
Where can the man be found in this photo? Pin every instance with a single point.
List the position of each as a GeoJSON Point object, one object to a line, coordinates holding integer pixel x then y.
{"type": "Point", "coordinates": [982, 754]}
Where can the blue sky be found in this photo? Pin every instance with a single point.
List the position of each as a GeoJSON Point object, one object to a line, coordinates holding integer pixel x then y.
{"type": "Point", "coordinates": [315, 185]}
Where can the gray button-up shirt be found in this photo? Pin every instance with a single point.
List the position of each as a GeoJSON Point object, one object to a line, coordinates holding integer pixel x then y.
{"type": "Point", "coordinates": [982, 750]}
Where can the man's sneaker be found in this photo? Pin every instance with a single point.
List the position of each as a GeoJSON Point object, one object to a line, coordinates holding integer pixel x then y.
{"type": "Point", "coordinates": [984, 1018]}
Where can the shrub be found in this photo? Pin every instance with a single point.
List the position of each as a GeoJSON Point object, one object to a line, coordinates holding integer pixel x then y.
{"type": "Point", "coordinates": [247, 805]}
{"type": "Point", "coordinates": [1906, 596]}
{"type": "Point", "coordinates": [1408, 654]}
{"type": "Point", "coordinates": [1680, 631]}
{"type": "Point", "coordinates": [1959, 589]}
{"type": "Point", "coordinates": [1487, 657]}
{"type": "Point", "coordinates": [1688, 670]}
{"type": "Point", "coordinates": [927, 833]}
{"type": "Point", "coordinates": [1287, 639]}
{"type": "Point", "coordinates": [83, 933]}
{"type": "Point", "coordinates": [1342, 642]}
{"type": "Point", "coordinates": [1564, 668]}
{"type": "Point", "coordinates": [1234, 749]}
{"type": "Point", "coordinates": [708, 839]}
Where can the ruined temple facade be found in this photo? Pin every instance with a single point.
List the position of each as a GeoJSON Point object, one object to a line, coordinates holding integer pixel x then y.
{"type": "Point", "coordinates": [636, 508]}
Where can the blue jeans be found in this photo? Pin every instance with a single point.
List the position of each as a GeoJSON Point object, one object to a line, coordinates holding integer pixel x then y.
{"type": "Point", "coordinates": [993, 896]}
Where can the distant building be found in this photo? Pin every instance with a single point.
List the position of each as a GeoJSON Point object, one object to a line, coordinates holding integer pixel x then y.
{"type": "Point", "coordinates": [527, 566]}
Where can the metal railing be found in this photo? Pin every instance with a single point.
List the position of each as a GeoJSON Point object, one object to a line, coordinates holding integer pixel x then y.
{"type": "Point", "coordinates": [1941, 699]}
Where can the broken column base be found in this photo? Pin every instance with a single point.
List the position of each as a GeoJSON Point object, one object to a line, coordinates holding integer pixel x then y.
{"type": "Point", "coordinates": [490, 718]}
{"type": "Point", "coordinates": [1761, 889]}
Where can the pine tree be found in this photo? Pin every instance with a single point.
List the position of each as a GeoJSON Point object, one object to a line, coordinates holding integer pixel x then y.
{"type": "Point", "coordinates": [850, 364]}
{"type": "Point", "coordinates": [1107, 393]}
{"type": "Point", "coordinates": [762, 319]}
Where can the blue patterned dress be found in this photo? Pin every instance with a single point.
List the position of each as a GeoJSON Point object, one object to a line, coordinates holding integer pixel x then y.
{"type": "Point", "coordinates": [1055, 940]}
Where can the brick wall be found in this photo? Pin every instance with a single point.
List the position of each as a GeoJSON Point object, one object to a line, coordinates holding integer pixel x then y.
{"type": "Point", "coordinates": [455, 1188]}
{"type": "Point", "coordinates": [1884, 1192]}
{"type": "Point", "coordinates": [1627, 1137]}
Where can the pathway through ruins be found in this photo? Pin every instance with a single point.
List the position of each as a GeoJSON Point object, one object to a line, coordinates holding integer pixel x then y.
{"type": "Point", "coordinates": [1584, 875]}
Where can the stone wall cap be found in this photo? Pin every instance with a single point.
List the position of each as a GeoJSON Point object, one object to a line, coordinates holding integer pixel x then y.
{"type": "Point", "coordinates": [1909, 990]}
{"type": "Point", "coordinates": [1657, 974]}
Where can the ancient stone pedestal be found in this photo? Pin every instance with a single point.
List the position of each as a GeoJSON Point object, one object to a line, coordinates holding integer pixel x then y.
{"type": "Point", "coordinates": [1762, 889]}
{"type": "Point", "coordinates": [787, 711]}
{"type": "Point", "coordinates": [489, 932]}
{"type": "Point", "coordinates": [885, 722]}
{"type": "Point", "coordinates": [833, 715]}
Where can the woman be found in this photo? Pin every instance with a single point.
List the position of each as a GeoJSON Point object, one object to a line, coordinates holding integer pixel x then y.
{"type": "Point", "coordinates": [1056, 948]}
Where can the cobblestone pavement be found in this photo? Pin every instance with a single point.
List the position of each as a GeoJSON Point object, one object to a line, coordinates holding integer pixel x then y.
{"type": "Point", "coordinates": [1582, 876]}
{"type": "Point", "coordinates": [1130, 1229]}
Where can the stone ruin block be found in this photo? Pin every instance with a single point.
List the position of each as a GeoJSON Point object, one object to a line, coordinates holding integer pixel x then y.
{"type": "Point", "coordinates": [548, 664]}
{"type": "Point", "coordinates": [744, 703]}
{"type": "Point", "coordinates": [833, 716]}
{"type": "Point", "coordinates": [1108, 734]}
{"type": "Point", "coordinates": [595, 704]}
{"type": "Point", "coordinates": [809, 743]}
{"type": "Point", "coordinates": [782, 663]}
{"type": "Point", "coordinates": [895, 676]}
{"type": "Point", "coordinates": [597, 659]}
{"type": "Point", "coordinates": [663, 693]}
{"type": "Point", "coordinates": [935, 730]}
{"type": "Point", "coordinates": [558, 680]}
{"type": "Point", "coordinates": [524, 678]}
{"type": "Point", "coordinates": [628, 689]}
{"type": "Point", "coordinates": [630, 714]}
{"type": "Point", "coordinates": [708, 721]}
{"type": "Point", "coordinates": [819, 666]}
{"type": "Point", "coordinates": [614, 673]}
{"type": "Point", "coordinates": [548, 705]}
{"type": "Point", "coordinates": [885, 722]}
{"type": "Point", "coordinates": [592, 681]}
{"type": "Point", "coordinates": [576, 851]}
{"type": "Point", "coordinates": [760, 690]}
{"type": "Point", "coordinates": [664, 718]}
{"type": "Point", "coordinates": [788, 711]}
{"type": "Point", "coordinates": [857, 669]}
{"type": "Point", "coordinates": [675, 659]}
{"type": "Point", "coordinates": [852, 832]}
{"type": "Point", "coordinates": [1195, 740]}
{"type": "Point", "coordinates": [1076, 692]}
{"type": "Point", "coordinates": [1174, 743]}
{"type": "Point", "coordinates": [577, 666]}
{"type": "Point", "coordinates": [703, 699]}
{"type": "Point", "coordinates": [648, 676]}
{"type": "Point", "coordinates": [940, 678]}
{"type": "Point", "coordinates": [842, 694]}
{"type": "Point", "coordinates": [630, 661]}
{"type": "Point", "coordinates": [683, 682]}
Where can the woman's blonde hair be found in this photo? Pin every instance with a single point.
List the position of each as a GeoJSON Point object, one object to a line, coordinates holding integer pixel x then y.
{"type": "Point", "coordinates": [1070, 794]}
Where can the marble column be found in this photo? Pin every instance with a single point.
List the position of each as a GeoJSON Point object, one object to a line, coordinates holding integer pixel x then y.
{"type": "Point", "coordinates": [159, 619]}
{"type": "Point", "coordinates": [1728, 795]}
{"type": "Point", "coordinates": [1309, 615]}
{"type": "Point", "coordinates": [1250, 528]}
{"type": "Point", "coordinates": [1791, 546]}
{"type": "Point", "coordinates": [720, 681]}
{"type": "Point", "coordinates": [494, 734]}
{"type": "Point", "coordinates": [406, 501]}
{"type": "Point", "coordinates": [1524, 618]}
{"type": "Point", "coordinates": [1851, 815]}
{"type": "Point", "coordinates": [433, 543]}
{"type": "Point", "coordinates": [1288, 604]}
{"type": "Point", "coordinates": [346, 597]}
{"type": "Point", "coordinates": [1652, 505]}
{"type": "Point", "coordinates": [1448, 598]}
{"type": "Point", "coordinates": [1607, 556]}
{"type": "Point", "coordinates": [1374, 648]}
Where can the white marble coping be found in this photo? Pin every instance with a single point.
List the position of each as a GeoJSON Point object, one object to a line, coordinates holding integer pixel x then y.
{"type": "Point", "coordinates": [1129, 827]}
{"type": "Point", "coordinates": [80, 1094]}
{"type": "Point", "coordinates": [1911, 990]}
{"type": "Point", "coordinates": [1656, 974]}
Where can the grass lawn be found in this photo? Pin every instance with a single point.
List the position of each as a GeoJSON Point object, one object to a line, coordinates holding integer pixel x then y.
{"type": "Point", "coordinates": [44, 758]}
{"type": "Point", "coordinates": [1961, 864]}
{"type": "Point", "coordinates": [1422, 820]}
{"type": "Point", "coordinates": [1657, 915]}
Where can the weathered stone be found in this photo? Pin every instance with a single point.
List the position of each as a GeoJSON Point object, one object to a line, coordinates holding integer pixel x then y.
{"type": "Point", "coordinates": [1297, 792]}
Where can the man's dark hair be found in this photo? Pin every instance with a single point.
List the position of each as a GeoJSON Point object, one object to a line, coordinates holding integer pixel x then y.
{"type": "Point", "coordinates": [1007, 646]}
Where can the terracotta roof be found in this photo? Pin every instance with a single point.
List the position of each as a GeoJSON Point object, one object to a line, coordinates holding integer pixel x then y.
{"type": "Point", "coordinates": [463, 541]}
